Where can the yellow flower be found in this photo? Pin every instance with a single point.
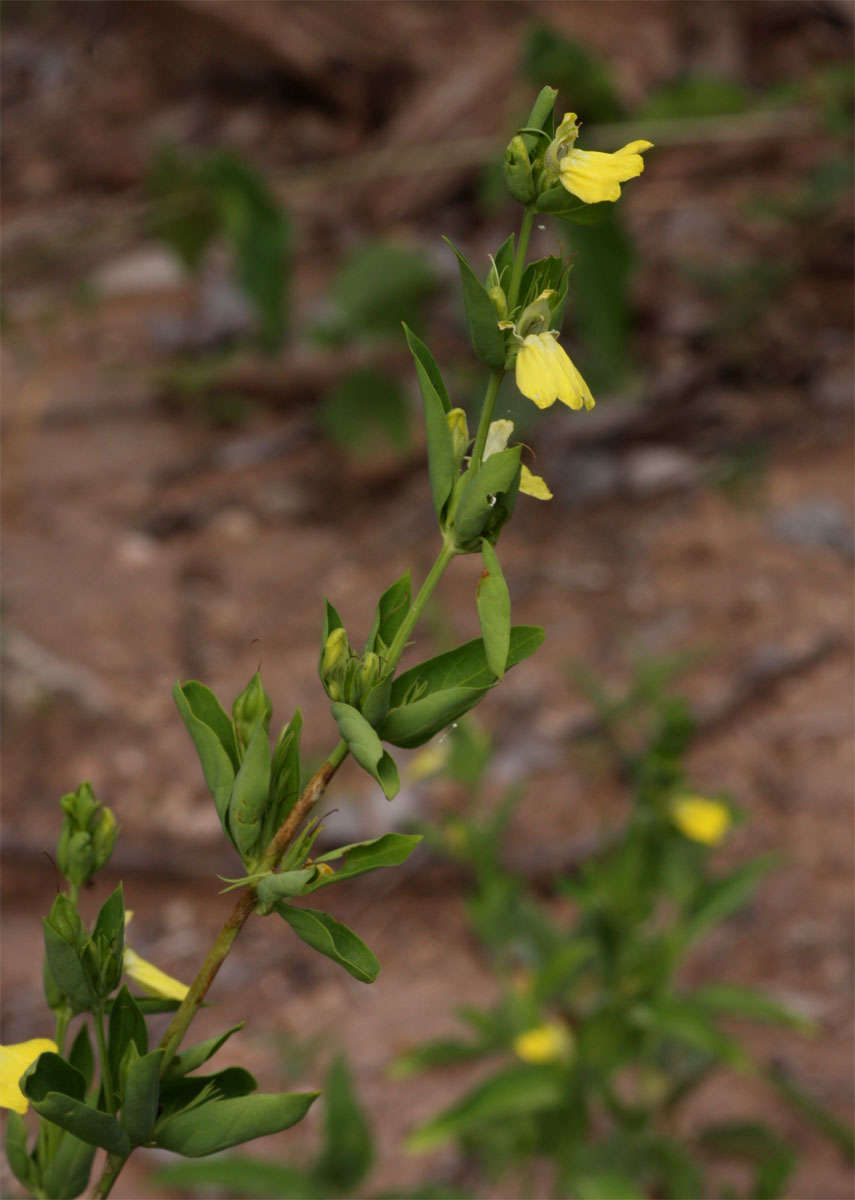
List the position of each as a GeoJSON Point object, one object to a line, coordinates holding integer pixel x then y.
{"type": "Point", "coordinates": [544, 1044]}
{"type": "Point", "coordinates": [546, 374]}
{"type": "Point", "coordinates": [498, 436]}
{"type": "Point", "coordinates": [701, 820]}
{"type": "Point", "coordinates": [151, 979]}
{"type": "Point", "coordinates": [14, 1061]}
{"type": "Point", "coordinates": [590, 174]}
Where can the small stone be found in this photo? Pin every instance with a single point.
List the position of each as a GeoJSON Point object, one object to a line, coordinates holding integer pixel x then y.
{"type": "Point", "coordinates": [655, 469]}
{"type": "Point", "coordinates": [142, 272]}
{"type": "Point", "coordinates": [818, 521]}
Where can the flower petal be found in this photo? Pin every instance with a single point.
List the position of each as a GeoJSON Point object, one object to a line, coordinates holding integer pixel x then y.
{"type": "Point", "coordinates": [595, 177]}
{"type": "Point", "coordinates": [532, 374]}
{"type": "Point", "coordinates": [151, 979]}
{"type": "Point", "coordinates": [534, 485]}
{"type": "Point", "coordinates": [14, 1061]}
{"type": "Point", "coordinates": [498, 436]}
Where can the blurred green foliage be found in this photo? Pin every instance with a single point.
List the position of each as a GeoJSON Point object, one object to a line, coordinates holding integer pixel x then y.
{"type": "Point", "coordinates": [197, 199]}
{"type": "Point", "coordinates": [380, 285]}
{"type": "Point", "coordinates": [596, 1043]}
{"type": "Point", "coordinates": [363, 409]}
{"type": "Point", "coordinates": [695, 96]}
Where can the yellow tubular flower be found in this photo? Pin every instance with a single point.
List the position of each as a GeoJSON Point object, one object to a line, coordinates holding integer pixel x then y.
{"type": "Point", "coordinates": [594, 177]}
{"type": "Point", "coordinates": [545, 1044]}
{"type": "Point", "coordinates": [151, 979]}
{"type": "Point", "coordinates": [498, 436]}
{"type": "Point", "coordinates": [545, 373]}
{"type": "Point", "coordinates": [701, 820]}
{"type": "Point", "coordinates": [14, 1061]}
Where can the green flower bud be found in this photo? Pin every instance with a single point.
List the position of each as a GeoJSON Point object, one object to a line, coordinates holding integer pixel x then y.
{"type": "Point", "coordinates": [517, 167]}
{"type": "Point", "coordinates": [459, 428]}
{"type": "Point", "coordinates": [369, 672]}
{"type": "Point", "coordinates": [335, 661]}
{"type": "Point", "coordinates": [500, 301]}
{"type": "Point", "coordinates": [253, 706]}
{"type": "Point", "coordinates": [79, 862]}
{"type": "Point", "coordinates": [103, 838]}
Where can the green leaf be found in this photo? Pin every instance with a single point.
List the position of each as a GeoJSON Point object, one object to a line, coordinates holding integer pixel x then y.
{"type": "Point", "coordinates": [775, 1157]}
{"type": "Point", "coordinates": [442, 1052]}
{"type": "Point", "coordinates": [423, 356]}
{"type": "Point", "coordinates": [442, 466]}
{"type": "Point", "coordinates": [605, 1185]}
{"type": "Point", "coordinates": [238, 1175]}
{"type": "Point", "coordinates": [504, 259]}
{"type": "Point", "coordinates": [723, 896]}
{"type": "Point", "coordinates": [513, 1092]}
{"type": "Point", "coordinates": [223, 1123]}
{"type": "Point", "coordinates": [252, 707]}
{"type": "Point", "coordinates": [837, 1131]}
{"type": "Point", "coordinates": [284, 775]}
{"type": "Point", "coordinates": [67, 1174]}
{"type": "Point", "coordinates": [731, 1000]}
{"type": "Point", "coordinates": [127, 1024]}
{"type": "Point", "coordinates": [177, 1094]}
{"type": "Point", "coordinates": [66, 944]}
{"type": "Point", "coordinates": [392, 608]}
{"type": "Point", "coordinates": [51, 1073]}
{"type": "Point", "coordinates": [486, 337]}
{"type": "Point", "coordinates": [284, 885]}
{"type": "Point", "coordinates": [682, 1021]}
{"type": "Point", "coordinates": [390, 850]}
{"type": "Point", "coordinates": [108, 937]}
{"type": "Point", "coordinates": [428, 697]}
{"type": "Point", "coordinates": [498, 475]}
{"type": "Point", "coordinates": [146, 1004]}
{"type": "Point", "coordinates": [17, 1155]}
{"type": "Point", "coordinates": [328, 936]}
{"type": "Point", "coordinates": [348, 1149]}
{"type": "Point", "coordinates": [494, 611]}
{"type": "Point", "coordinates": [194, 1056]}
{"type": "Point", "coordinates": [380, 283]}
{"type": "Point", "coordinates": [248, 802]}
{"type": "Point", "coordinates": [139, 1106]}
{"type": "Point", "coordinates": [205, 706]}
{"type": "Point", "coordinates": [68, 1111]}
{"type": "Point", "coordinates": [365, 746]}
{"type": "Point", "coordinates": [81, 1055]}
{"type": "Point", "coordinates": [218, 765]}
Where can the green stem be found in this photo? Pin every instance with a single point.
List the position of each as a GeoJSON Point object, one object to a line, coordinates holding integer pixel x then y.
{"type": "Point", "coordinates": [111, 1172]}
{"type": "Point", "coordinates": [106, 1073]}
{"type": "Point", "coordinates": [496, 378]}
{"type": "Point", "coordinates": [519, 258]}
{"type": "Point", "coordinates": [399, 642]}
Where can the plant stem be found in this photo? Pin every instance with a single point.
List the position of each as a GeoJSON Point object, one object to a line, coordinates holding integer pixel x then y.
{"type": "Point", "coordinates": [399, 642]}
{"type": "Point", "coordinates": [496, 378]}
{"type": "Point", "coordinates": [112, 1168]}
{"type": "Point", "coordinates": [106, 1073]}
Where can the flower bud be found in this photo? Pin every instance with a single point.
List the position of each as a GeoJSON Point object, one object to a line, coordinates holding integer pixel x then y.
{"type": "Point", "coordinates": [79, 860]}
{"type": "Point", "coordinates": [517, 167]}
{"type": "Point", "coordinates": [500, 301]}
{"type": "Point", "coordinates": [87, 836]}
{"type": "Point", "coordinates": [335, 659]}
{"type": "Point", "coordinates": [103, 838]}
{"type": "Point", "coordinates": [459, 429]}
{"type": "Point", "coordinates": [250, 708]}
{"type": "Point", "coordinates": [369, 671]}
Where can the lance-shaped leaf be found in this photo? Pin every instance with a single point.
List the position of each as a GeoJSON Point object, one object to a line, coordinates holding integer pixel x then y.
{"type": "Point", "coordinates": [392, 608]}
{"type": "Point", "coordinates": [499, 474]}
{"type": "Point", "coordinates": [348, 1148]}
{"type": "Point", "coordinates": [194, 1056]}
{"type": "Point", "coordinates": [82, 1056]}
{"type": "Point", "coordinates": [67, 1174]}
{"type": "Point", "coordinates": [328, 936]}
{"type": "Point", "coordinates": [56, 1090]}
{"type": "Point", "coordinates": [285, 778]}
{"type": "Point", "coordinates": [248, 803]}
{"type": "Point", "coordinates": [442, 467]}
{"type": "Point", "coordinates": [178, 1094]}
{"type": "Point", "coordinates": [482, 322]}
{"type": "Point", "coordinates": [139, 1105]}
{"type": "Point", "coordinates": [422, 355]}
{"type": "Point", "coordinates": [504, 259]}
{"type": "Point", "coordinates": [494, 611]}
{"type": "Point", "coordinates": [272, 888]}
{"type": "Point", "coordinates": [390, 850]}
{"type": "Point", "coordinates": [428, 697]}
{"type": "Point", "coordinates": [513, 1092]}
{"type": "Point", "coordinates": [17, 1154]}
{"type": "Point", "coordinates": [217, 754]}
{"type": "Point", "coordinates": [365, 746]}
{"type": "Point", "coordinates": [224, 1123]}
{"type": "Point", "coordinates": [127, 1024]}
{"type": "Point", "coordinates": [108, 938]}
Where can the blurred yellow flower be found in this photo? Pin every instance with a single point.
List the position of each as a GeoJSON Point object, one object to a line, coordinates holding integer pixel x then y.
{"type": "Point", "coordinates": [498, 436]}
{"type": "Point", "coordinates": [544, 1044]}
{"type": "Point", "coordinates": [700, 819]}
{"type": "Point", "coordinates": [545, 373]}
{"type": "Point", "coordinates": [151, 979]}
{"type": "Point", "coordinates": [589, 174]}
{"type": "Point", "coordinates": [14, 1061]}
